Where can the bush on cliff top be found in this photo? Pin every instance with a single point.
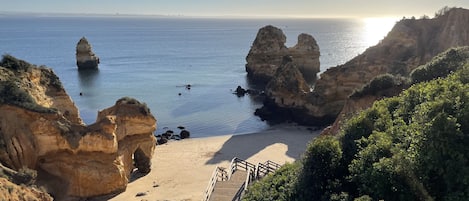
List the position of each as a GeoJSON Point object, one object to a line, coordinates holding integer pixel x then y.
{"type": "Point", "coordinates": [409, 147]}
{"type": "Point", "coordinates": [11, 91]}
{"type": "Point", "coordinates": [13, 63]}
{"type": "Point", "coordinates": [380, 84]}
{"type": "Point", "coordinates": [12, 94]}
{"type": "Point", "coordinates": [132, 101]}
{"type": "Point", "coordinates": [442, 65]}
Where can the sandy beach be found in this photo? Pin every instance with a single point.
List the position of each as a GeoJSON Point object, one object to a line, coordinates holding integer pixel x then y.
{"type": "Point", "coordinates": [181, 169]}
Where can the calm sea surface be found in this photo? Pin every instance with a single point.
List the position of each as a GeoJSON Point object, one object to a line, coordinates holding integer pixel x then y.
{"type": "Point", "coordinates": [152, 59]}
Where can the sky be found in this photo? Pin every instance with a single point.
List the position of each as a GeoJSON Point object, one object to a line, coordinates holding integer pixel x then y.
{"type": "Point", "coordinates": [236, 8]}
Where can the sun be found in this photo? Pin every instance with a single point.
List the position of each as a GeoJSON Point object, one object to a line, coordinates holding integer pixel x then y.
{"type": "Point", "coordinates": [375, 29]}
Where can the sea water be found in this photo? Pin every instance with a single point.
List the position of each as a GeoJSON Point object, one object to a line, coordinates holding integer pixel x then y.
{"type": "Point", "coordinates": [153, 58]}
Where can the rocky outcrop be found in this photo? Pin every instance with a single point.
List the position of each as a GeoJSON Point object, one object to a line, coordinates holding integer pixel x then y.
{"type": "Point", "coordinates": [12, 191]}
{"type": "Point", "coordinates": [86, 59]}
{"type": "Point", "coordinates": [409, 44]}
{"type": "Point", "coordinates": [40, 129]}
{"type": "Point", "coordinates": [19, 186]}
{"type": "Point", "coordinates": [268, 49]}
{"type": "Point", "coordinates": [287, 96]}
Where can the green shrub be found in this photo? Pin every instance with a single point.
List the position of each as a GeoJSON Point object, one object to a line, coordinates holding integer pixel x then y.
{"type": "Point", "coordinates": [273, 187]}
{"type": "Point", "coordinates": [132, 101]}
{"type": "Point", "coordinates": [11, 93]}
{"type": "Point", "coordinates": [441, 66]}
{"type": "Point", "coordinates": [321, 174]}
{"type": "Point", "coordinates": [379, 84]}
{"type": "Point", "coordinates": [13, 63]}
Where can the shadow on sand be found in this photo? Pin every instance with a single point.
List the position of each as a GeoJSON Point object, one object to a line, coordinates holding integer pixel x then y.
{"type": "Point", "coordinates": [245, 146]}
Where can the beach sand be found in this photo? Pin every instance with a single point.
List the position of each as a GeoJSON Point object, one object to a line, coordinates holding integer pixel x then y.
{"type": "Point", "coordinates": [181, 169]}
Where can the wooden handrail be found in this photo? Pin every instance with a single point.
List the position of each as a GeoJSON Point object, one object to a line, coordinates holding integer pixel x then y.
{"type": "Point", "coordinates": [217, 173]}
{"type": "Point", "coordinates": [266, 168]}
{"type": "Point", "coordinates": [253, 173]}
{"type": "Point", "coordinates": [274, 164]}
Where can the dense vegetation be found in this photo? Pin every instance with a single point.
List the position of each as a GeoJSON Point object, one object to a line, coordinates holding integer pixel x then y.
{"type": "Point", "coordinates": [380, 84]}
{"type": "Point", "coordinates": [441, 65]}
{"type": "Point", "coordinates": [409, 147]}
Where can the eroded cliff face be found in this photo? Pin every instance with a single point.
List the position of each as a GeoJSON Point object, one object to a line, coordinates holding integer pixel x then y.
{"type": "Point", "coordinates": [409, 44]}
{"type": "Point", "coordinates": [40, 129]}
{"type": "Point", "coordinates": [268, 49]}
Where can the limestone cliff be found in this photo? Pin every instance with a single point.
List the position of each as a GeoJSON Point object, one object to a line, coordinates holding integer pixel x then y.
{"type": "Point", "coordinates": [409, 44]}
{"type": "Point", "coordinates": [85, 57]}
{"type": "Point", "coordinates": [268, 49]}
{"type": "Point", "coordinates": [71, 159]}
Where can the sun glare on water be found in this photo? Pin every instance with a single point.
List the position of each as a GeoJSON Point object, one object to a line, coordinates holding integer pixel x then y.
{"type": "Point", "coordinates": [376, 29]}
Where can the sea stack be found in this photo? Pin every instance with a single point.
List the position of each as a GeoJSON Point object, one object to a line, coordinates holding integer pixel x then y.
{"type": "Point", "coordinates": [86, 59]}
{"type": "Point", "coordinates": [267, 52]}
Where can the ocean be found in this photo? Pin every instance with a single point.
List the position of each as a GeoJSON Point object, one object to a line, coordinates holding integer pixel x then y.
{"type": "Point", "coordinates": [153, 58]}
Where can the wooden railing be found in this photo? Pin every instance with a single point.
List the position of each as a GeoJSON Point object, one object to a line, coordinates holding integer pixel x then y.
{"type": "Point", "coordinates": [219, 174]}
{"type": "Point", "coordinates": [250, 177]}
{"type": "Point", "coordinates": [238, 163]}
{"type": "Point", "coordinates": [263, 169]}
{"type": "Point", "coordinates": [254, 172]}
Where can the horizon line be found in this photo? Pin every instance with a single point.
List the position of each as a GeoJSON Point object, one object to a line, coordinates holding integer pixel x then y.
{"type": "Point", "coordinates": [231, 16]}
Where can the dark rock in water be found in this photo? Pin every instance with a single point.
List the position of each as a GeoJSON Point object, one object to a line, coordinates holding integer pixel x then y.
{"type": "Point", "coordinates": [168, 134]}
{"type": "Point", "coordinates": [185, 134]}
{"type": "Point", "coordinates": [162, 140]}
{"type": "Point", "coordinates": [275, 114]}
{"type": "Point", "coordinates": [240, 91]}
{"type": "Point", "coordinates": [85, 57]}
{"type": "Point", "coordinates": [181, 127]}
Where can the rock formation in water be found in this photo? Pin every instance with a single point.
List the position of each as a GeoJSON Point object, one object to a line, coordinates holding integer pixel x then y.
{"type": "Point", "coordinates": [287, 96]}
{"type": "Point", "coordinates": [409, 44]}
{"type": "Point", "coordinates": [86, 59]}
{"type": "Point", "coordinates": [268, 49]}
{"type": "Point", "coordinates": [40, 129]}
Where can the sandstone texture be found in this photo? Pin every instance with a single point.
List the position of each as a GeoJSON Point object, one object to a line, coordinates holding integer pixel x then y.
{"type": "Point", "coordinates": [40, 129]}
{"type": "Point", "coordinates": [19, 186]}
{"type": "Point", "coordinates": [11, 191]}
{"type": "Point", "coordinates": [85, 57]}
{"type": "Point", "coordinates": [411, 43]}
{"type": "Point", "coordinates": [268, 49]}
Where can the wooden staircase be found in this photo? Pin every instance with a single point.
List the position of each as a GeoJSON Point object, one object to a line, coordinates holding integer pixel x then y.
{"type": "Point", "coordinates": [227, 190]}
{"type": "Point", "coordinates": [230, 185]}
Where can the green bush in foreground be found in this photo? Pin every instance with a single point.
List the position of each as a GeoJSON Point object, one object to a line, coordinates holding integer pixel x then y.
{"type": "Point", "coordinates": [409, 147]}
{"type": "Point", "coordinates": [277, 186]}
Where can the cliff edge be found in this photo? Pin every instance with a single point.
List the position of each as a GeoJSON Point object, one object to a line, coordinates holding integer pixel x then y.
{"type": "Point", "coordinates": [40, 129]}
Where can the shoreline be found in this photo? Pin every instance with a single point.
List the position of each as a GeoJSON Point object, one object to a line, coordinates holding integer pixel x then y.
{"type": "Point", "coordinates": [181, 169]}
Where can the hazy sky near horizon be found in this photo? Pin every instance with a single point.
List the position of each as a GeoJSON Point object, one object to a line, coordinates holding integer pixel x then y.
{"type": "Point", "coordinates": [269, 8]}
